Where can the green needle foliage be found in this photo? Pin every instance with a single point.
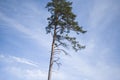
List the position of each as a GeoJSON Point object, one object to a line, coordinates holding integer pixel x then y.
{"type": "Point", "coordinates": [60, 24]}
{"type": "Point", "coordinates": [63, 19]}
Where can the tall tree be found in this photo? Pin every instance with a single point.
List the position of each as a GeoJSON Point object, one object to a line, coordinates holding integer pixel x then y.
{"type": "Point", "coordinates": [60, 24]}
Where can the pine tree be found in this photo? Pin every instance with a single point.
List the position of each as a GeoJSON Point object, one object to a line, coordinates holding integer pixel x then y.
{"type": "Point", "coordinates": [60, 24]}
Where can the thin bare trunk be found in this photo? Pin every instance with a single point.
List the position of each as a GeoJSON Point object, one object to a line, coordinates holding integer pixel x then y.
{"type": "Point", "coordinates": [52, 55]}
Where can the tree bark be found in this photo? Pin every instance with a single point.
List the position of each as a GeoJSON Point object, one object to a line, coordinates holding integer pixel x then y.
{"type": "Point", "coordinates": [52, 55]}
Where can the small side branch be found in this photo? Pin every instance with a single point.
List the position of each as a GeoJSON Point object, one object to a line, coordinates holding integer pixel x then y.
{"type": "Point", "coordinates": [57, 62]}
{"type": "Point", "coordinates": [62, 51]}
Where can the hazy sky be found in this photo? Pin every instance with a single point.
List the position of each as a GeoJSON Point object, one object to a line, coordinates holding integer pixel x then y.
{"type": "Point", "coordinates": [25, 47]}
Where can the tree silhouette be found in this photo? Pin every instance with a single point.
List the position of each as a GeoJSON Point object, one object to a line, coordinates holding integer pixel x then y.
{"type": "Point", "coordinates": [60, 24]}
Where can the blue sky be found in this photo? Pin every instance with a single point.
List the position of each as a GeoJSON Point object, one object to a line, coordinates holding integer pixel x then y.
{"type": "Point", "coordinates": [25, 47]}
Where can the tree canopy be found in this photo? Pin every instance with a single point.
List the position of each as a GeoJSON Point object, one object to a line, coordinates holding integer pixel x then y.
{"type": "Point", "coordinates": [62, 19]}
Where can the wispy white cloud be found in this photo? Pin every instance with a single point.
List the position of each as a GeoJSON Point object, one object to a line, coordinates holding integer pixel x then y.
{"type": "Point", "coordinates": [99, 70]}
{"type": "Point", "coordinates": [21, 72]}
{"type": "Point", "coordinates": [38, 36]}
{"type": "Point", "coordinates": [29, 21]}
{"type": "Point", "coordinates": [24, 61]}
{"type": "Point", "coordinates": [26, 74]}
{"type": "Point", "coordinates": [30, 71]}
{"type": "Point", "coordinates": [32, 74]}
{"type": "Point", "coordinates": [102, 13]}
{"type": "Point", "coordinates": [15, 59]}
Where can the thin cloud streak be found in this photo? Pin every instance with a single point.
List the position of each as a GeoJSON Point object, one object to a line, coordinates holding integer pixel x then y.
{"type": "Point", "coordinates": [15, 59]}
{"type": "Point", "coordinates": [41, 39]}
{"type": "Point", "coordinates": [32, 71]}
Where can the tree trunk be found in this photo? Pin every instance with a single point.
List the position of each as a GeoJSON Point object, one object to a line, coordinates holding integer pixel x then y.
{"type": "Point", "coordinates": [52, 55]}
